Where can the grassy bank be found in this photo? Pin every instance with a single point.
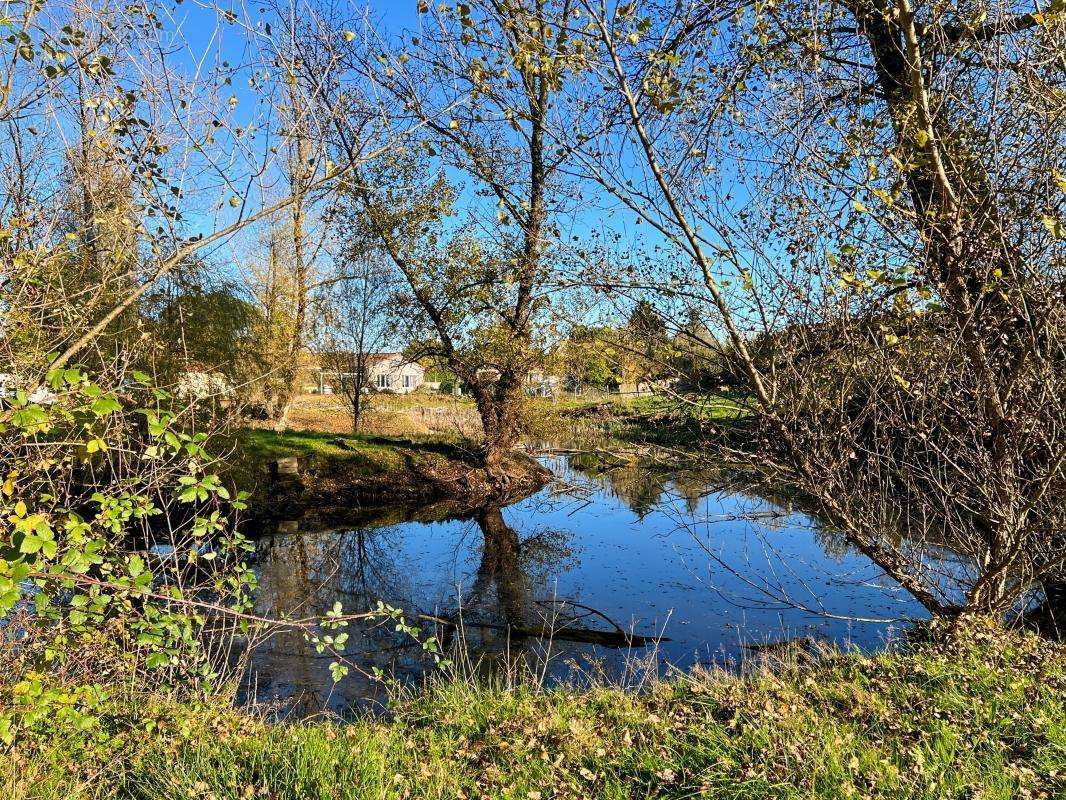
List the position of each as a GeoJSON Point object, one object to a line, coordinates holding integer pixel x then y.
{"type": "Point", "coordinates": [361, 470]}
{"type": "Point", "coordinates": [655, 421]}
{"type": "Point", "coordinates": [376, 459]}
{"type": "Point", "coordinates": [328, 455]}
{"type": "Point", "coordinates": [343, 474]}
{"type": "Point", "coordinates": [980, 716]}
{"type": "Point", "coordinates": [326, 450]}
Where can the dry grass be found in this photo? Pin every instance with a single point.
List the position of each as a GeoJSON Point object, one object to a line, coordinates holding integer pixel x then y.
{"type": "Point", "coordinates": [979, 715]}
{"type": "Point", "coordinates": [388, 415]}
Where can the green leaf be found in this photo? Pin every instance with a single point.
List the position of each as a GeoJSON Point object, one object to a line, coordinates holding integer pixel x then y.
{"type": "Point", "coordinates": [31, 544]}
{"type": "Point", "coordinates": [136, 566]}
{"type": "Point", "coordinates": [105, 405]}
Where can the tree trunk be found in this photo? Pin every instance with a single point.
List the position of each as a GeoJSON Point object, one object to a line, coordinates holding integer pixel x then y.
{"type": "Point", "coordinates": [357, 406]}
{"type": "Point", "coordinates": [499, 406]}
{"type": "Point", "coordinates": [297, 181]}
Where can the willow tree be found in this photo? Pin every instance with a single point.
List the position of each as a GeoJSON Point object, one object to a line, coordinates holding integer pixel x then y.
{"type": "Point", "coordinates": [871, 199]}
{"type": "Point", "coordinates": [481, 84]}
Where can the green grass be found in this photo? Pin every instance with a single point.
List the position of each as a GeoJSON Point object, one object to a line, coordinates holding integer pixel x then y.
{"type": "Point", "coordinates": [252, 450]}
{"type": "Point", "coordinates": [657, 420]}
{"type": "Point", "coordinates": [983, 716]}
{"type": "Point", "coordinates": [265, 445]}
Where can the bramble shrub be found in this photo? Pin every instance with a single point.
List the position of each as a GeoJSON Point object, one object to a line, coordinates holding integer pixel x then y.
{"type": "Point", "coordinates": [120, 557]}
{"type": "Point", "coordinates": [116, 535]}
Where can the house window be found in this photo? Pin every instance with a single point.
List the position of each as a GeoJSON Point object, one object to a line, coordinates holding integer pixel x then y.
{"type": "Point", "coordinates": [384, 381]}
{"type": "Point", "coordinates": [408, 381]}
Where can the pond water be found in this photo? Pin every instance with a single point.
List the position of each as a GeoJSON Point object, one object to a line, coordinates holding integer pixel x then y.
{"type": "Point", "coordinates": [543, 586]}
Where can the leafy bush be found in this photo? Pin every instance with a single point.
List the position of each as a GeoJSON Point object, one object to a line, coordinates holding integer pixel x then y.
{"type": "Point", "coordinates": [112, 521]}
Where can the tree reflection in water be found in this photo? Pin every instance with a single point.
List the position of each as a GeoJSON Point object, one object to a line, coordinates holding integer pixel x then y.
{"type": "Point", "coordinates": [654, 550]}
{"type": "Point", "coordinates": [501, 590]}
{"type": "Point", "coordinates": [304, 574]}
{"type": "Point", "coordinates": [494, 607]}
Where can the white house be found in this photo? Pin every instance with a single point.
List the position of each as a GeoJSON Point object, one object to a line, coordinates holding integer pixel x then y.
{"type": "Point", "coordinates": [11, 383]}
{"type": "Point", "coordinates": [542, 384]}
{"type": "Point", "coordinates": [388, 372]}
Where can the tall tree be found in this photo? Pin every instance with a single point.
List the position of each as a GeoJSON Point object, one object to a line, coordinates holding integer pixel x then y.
{"type": "Point", "coordinates": [300, 169]}
{"type": "Point", "coordinates": [481, 84]}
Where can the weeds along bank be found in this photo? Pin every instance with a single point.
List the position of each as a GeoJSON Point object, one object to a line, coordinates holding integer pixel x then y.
{"type": "Point", "coordinates": [981, 714]}
{"type": "Point", "coordinates": [414, 414]}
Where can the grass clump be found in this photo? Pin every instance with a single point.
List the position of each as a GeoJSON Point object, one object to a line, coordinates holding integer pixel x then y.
{"type": "Point", "coordinates": [976, 715]}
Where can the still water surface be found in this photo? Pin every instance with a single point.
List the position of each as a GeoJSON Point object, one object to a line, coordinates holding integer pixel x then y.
{"type": "Point", "coordinates": [708, 571]}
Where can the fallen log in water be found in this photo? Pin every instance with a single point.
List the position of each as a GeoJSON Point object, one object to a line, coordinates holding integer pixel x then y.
{"type": "Point", "coordinates": [612, 639]}
{"type": "Point", "coordinates": [564, 631]}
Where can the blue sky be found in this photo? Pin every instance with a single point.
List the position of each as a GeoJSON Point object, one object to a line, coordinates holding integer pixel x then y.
{"type": "Point", "coordinates": [205, 37]}
{"type": "Point", "coordinates": [199, 24]}
{"type": "Point", "coordinates": [396, 13]}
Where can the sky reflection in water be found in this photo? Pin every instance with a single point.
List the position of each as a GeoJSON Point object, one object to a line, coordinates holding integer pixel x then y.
{"type": "Point", "coordinates": [710, 570]}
